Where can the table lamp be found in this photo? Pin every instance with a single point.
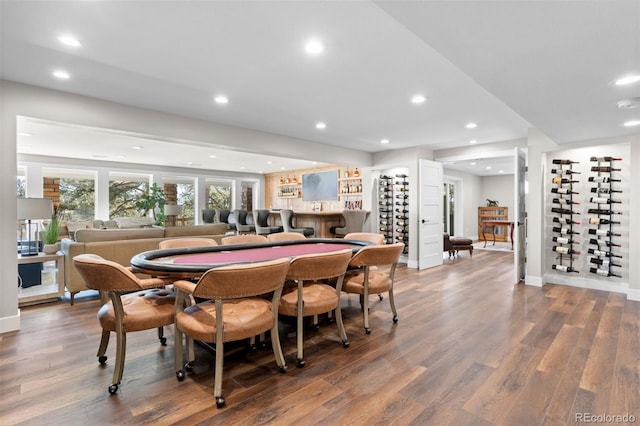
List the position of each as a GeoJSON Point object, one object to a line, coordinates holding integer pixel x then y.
{"type": "Point", "coordinates": [30, 209]}
{"type": "Point", "coordinates": [172, 210]}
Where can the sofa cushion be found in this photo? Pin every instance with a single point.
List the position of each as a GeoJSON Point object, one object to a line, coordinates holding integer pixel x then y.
{"type": "Point", "coordinates": [195, 230]}
{"type": "Point", "coordinates": [94, 235]}
{"type": "Point", "coordinates": [73, 226]}
{"type": "Point", "coordinates": [133, 222]}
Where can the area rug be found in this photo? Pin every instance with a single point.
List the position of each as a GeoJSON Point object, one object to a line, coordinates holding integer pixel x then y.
{"type": "Point", "coordinates": [498, 247]}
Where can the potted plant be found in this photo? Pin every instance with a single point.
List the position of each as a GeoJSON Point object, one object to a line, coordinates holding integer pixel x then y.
{"type": "Point", "coordinates": [154, 201]}
{"type": "Point", "coordinates": [51, 234]}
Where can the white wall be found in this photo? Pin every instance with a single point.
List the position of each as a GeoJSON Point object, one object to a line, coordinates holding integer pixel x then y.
{"type": "Point", "coordinates": [470, 199]}
{"type": "Point", "coordinates": [499, 188]}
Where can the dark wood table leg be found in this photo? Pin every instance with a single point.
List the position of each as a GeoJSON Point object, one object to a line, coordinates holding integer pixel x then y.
{"type": "Point", "coordinates": [484, 235]}
{"type": "Point", "coordinates": [493, 231]}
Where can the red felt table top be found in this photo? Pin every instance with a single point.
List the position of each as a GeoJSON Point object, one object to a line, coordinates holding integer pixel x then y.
{"type": "Point", "coordinates": [258, 254]}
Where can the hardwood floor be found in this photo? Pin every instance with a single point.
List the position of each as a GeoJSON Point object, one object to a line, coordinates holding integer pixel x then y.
{"type": "Point", "coordinates": [469, 348]}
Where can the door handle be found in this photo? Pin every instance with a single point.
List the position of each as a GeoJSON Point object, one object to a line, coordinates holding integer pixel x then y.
{"type": "Point", "coordinates": [424, 221]}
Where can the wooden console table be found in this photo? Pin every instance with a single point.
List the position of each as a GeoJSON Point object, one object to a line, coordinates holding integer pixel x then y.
{"type": "Point", "coordinates": [44, 292]}
{"type": "Point", "coordinates": [492, 224]}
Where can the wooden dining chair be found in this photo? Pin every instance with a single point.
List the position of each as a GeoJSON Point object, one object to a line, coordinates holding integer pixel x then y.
{"type": "Point", "coordinates": [187, 242]}
{"type": "Point", "coordinates": [130, 304]}
{"type": "Point", "coordinates": [233, 310]}
{"type": "Point", "coordinates": [311, 295]}
{"type": "Point", "coordinates": [243, 239]}
{"type": "Point", "coordinates": [363, 280]}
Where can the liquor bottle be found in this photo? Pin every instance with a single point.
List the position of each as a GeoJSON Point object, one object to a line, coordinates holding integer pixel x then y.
{"type": "Point", "coordinates": [562, 211]}
{"type": "Point", "coordinates": [605, 159]}
{"type": "Point", "coordinates": [604, 262]}
{"type": "Point", "coordinates": [603, 200]}
{"type": "Point", "coordinates": [605, 190]}
{"type": "Point", "coordinates": [564, 220]}
{"type": "Point", "coordinates": [606, 212]}
{"type": "Point", "coordinates": [564, 172]}
{"type": "Point", "coordinates": [603, 272]}
{"type": "Point", "coordinates": [563, 191]}
{"type": "Point", "coordinates": [602, 221]}
{"type": "Point", "coordinates": [604, 169]}
{"type": "Point", "coordinates": [356, 173]}
{"type": "Point", "coordinates": [603, 253]}
{"type": "Point", "coordinates": [563, 162]}
{"type": "Point", "coordinates": [563, 268]}
{"type": "Point", "coordinates": [559, 181]}
{"type": "Point", "coordinates": [604, 232]}
{"type": "Point", "coordinates": [347, 173]}
{"type": "Point", "coordinates": [601, 243]}
{"type": "Point", "coordinates": [563, 240]}
{"type": "Point", "coordinates": [564, 231]}
{"type": "Point", "coordinates": [603, 179]}
{"type": "Point", "coordinates": [564, 201]}
{"type": "Point", "coordinates": [565, 250]}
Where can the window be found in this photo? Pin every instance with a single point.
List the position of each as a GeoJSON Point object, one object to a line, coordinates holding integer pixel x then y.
{"type": "Point", "coordinates": [181, 191]}
{"type": "Point", "coordinates": [21, 183]}
{"type": "Point", "coordinates": [73, 191]}
{"type": "Point", "coordinates": [247, 195]}
{"type": "Point", "coordinates": [448, 204]}
{"type": "Point", "coordinates": [125, 190]}
{"type": "Point", "coordinates": [219, 194]}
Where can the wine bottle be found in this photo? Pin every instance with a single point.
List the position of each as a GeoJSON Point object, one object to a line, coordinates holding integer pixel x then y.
{"type": "Point", "coordinates": [564, 201]}
{"type": "Point", "coordinates": [602, 221]}
{"type": "Point", "coordinates": [385, 203]}
{"type": "Point", "coordinates": [605, 159]}
{"type": "Point", "coordinates": [603, 253]}
{"type": "Point", "coordinates": [565, 250]}
{"type": "Point", "coordinates": [563, 240]}
{"type": "Point", "coordinates": [565, 221]}
{"type": "Point", "coordinates": [402, 196]}
{"type": "Point", "coordinates": [604, 190]}
{"type": "Point", "coordinates": [563, 268]}
{"type": "Point", "coordinates": [603, 200]}
{"type": "Point", "coordinates": [604, 272]}
{"type": "Point", "coordinates": [604, 232]}
{"type": "Point", "coordinates": [601, 243]}
{"type": "Point", "coordinates": [563, 191]}
{"type": "Point", "coordinates": [562, 211]}
{"type": "Point", "coordinates": [555, 161]}
{"type": "Point", "coordinates": [559, 181]}
{"type": "Point", "coordinates": [603, 179]}
{"type": "Point", "coordinates": [606, 212]}
{"type": "Point", "coordinates": [604, 262]}
{"type": "Point", "coordinates": [402, 211]}
{"type": "Point", "coordinates": [604, 169]}
{"type": "Point", "coordinates": [564, 231]}
{"type": "Point", "coordinates": [564, 172]}
{"type": "Point", "coordinates": [404, 203]}
{"type": "Point", "coordinates": [385, 216]}
{"type": "Point", "coordinates": [403, 176]}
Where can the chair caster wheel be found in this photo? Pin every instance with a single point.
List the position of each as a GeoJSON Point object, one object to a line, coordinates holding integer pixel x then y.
{"type": "Point", "coordinates": [113, 389]}
{"type": "Point", "coordinates": [395, 320]}
{"type": "Point", "coordinates": [345, 344]}
{"type": "Point", "coordinates": [284, 369]}
{"type": "Point", "coordinates": [219, 402]}
{"type": "Point", "coordinates": [367, 330]}
{"type": "Point", "coordinates": [380, 296]}
{"type": "Point", "coordinates": [301, 363]}
{"type": "Point", "coordinates": [102, 359]}
{"type": "Point", "coordinates": [188, 367]}
{"type": "Point", "coordinates": [163, 341]}
{"type": "Point", "coordinates": [180, 375]}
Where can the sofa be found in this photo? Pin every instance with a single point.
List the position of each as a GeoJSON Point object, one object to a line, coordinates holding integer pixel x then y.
{"type": "Point", "coordinates": [121, 244]}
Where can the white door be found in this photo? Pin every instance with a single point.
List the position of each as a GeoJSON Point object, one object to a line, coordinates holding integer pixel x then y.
{"type": "Point", "coordinates": [430, 215]}
{"type": "Point", "coordinates": [520, 218]}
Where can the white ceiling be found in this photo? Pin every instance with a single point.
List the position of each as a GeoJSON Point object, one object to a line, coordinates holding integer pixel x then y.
{"type": "Point", "coordinates": [505, 65]}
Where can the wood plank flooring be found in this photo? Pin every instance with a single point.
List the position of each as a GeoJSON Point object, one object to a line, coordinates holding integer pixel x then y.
{"type": "Point", "coordinates": [470, 348]}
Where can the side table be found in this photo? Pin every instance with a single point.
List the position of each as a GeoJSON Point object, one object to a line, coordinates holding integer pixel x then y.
{"type": "Point", "coordinates": [44, 292]}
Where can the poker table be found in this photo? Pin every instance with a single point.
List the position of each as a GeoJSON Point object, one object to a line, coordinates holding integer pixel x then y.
{"type": "Point", "coordinates": [192, 262]}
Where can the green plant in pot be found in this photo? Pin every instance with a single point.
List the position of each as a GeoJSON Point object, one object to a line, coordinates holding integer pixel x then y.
{"type": "Point", "coordinates": [154, 201]}
{"type": "Point", "coordinates": [51, 234]}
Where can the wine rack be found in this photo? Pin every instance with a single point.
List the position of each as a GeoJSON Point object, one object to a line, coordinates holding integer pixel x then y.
{"type": "Point", "coordinates": [385, 207]}
{"type": "Point", "coordinates": [602, 218]}
{"type": "Point", "coordinates": [402, 210]}
{"type": "Point", "coordinates": [564, 218]}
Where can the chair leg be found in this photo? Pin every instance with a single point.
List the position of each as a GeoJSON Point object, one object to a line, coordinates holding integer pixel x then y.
{"type": "Point", "coordinates": [315, 326]}
{"type": "Point", "coordinates": [121, 349]}
{"type": "Point", "coordinates": [341, 330]}
{"type": "Point", "coordinates": [163, 340]}
{"type": "Point", "coordinates": [299, 339]}
{"type": "Point", "coordinates": [277, 349]}
{"type": "Point", "coordinates": [393, 305]}
{"type": "Point", "coordinates": [365, 309]}
{"type": "Point", "coordinates": [217, 387]}
{"type": "Point", "coordinates": [178, 355]}
{"type": "Point", "coordinates": [102, 349]}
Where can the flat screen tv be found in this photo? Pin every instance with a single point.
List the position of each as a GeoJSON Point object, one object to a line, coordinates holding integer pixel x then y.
{"type": "Point", "coordinates": [320, 186]}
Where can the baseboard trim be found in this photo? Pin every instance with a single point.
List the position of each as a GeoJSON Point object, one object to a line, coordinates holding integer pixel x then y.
{"type": "Point", "coordinates": [533, 280]}
{"type": "Point", "coordinates": [8, 324]}
{"type": "Point", "coordinates": [633, 294]}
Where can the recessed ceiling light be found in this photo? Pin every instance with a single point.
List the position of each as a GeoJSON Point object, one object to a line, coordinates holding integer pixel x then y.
{"type": "Point", "coordinates": [69, 40]}
{"type": "Point", "coordinates": [632, 123]}
{"type": "Point", "coordinates": [136, 147]}
{"type": "Point", "coordinates": [320, 125]}
{"type": "Point", "coordinates": [471, 125]}
{"type": "Point", "coordinates": [314, 162]}
{"type": "Point", "coordinates": [629, 79]}
{"type": "Point", "coordinates": [472, 163]}
{"type": "Point", "coordinates": [418, 99]}
{"type": "Point", "coordinates": [221, 99]}
{"type": "Point", "coordinates": [314, 47]}
{"type": "Point", "coordinates": [122, 156]}
{"type": "Point", "coordinates": [384, 141]}
{"type": "Point", "coordinates": [269, 162]}
{"type": "Point", "coordinates": [189, 163]}
{"type": "Point", "coordinates": [213, 156]}
{"type": "Point", "coordinates": [472, 141]}
{"type": "Point", "coordinates": [282, 168]}
{"type": "Point", "coordinates": [488, 167]}
{"type": "Point", "coordinates": [24, 134]}
{"type": "Point", "coordinates": [63, 75]}
{"type": "Point", "coordinates": [500, 171]}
